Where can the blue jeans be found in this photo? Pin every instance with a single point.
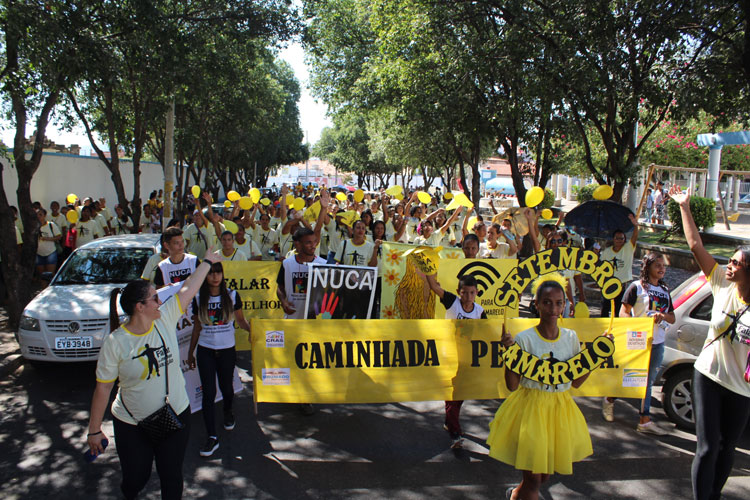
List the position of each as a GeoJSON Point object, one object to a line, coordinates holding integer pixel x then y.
{"type": "Point", "coordinates": [657, 355]}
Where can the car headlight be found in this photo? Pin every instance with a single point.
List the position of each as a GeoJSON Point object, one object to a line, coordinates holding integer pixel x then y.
{"type": "Point", "coordinates": [29, 324]}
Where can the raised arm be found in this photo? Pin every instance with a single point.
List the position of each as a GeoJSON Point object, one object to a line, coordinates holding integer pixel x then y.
{"type": "Point", "coordinates": [704, 259]}
{"type": "Point", "coordinates": [533, 230]}
{"type": "Point", "coordinates": [634, 237]}
{"type": "Point", "coordinates": [451, 219]}
{"type": "Point", "coordinates": [435, 286]}
{"type": "Point", "coordinates": [191, 285]}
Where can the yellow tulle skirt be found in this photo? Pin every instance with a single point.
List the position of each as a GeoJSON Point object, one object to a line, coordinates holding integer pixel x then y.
{"type": "Point", "coordinates": [542, 432]}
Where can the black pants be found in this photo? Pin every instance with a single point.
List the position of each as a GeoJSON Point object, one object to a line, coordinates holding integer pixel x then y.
{"type": "Point", "coordinates": [607, 305]}
{"type": "Point", "coordinates": [213, 363]}
{"type": "Point", "coordinates": [720, 419]}
{"type": "Point", "coordinates": [137, 453]}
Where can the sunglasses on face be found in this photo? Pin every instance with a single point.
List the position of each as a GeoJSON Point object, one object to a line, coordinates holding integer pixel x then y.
{"type": "Point", "coordinates": [558, 241]}
{"type": "Point", "coordinates": [154, 297]}
{"type": "Point", "coordinates": [736, 263]}
{"type": "Point", "coordinates": [619, 238]}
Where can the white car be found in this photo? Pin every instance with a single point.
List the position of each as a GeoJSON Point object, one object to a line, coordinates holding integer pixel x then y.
{"type": "Point", "coordinates": [69, 319]}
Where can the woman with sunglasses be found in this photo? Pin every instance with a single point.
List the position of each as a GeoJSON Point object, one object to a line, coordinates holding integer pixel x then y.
{"type": "Point", "coordinates": [721, 381]}
{"type": "Point", "coordinates": [144, 355]}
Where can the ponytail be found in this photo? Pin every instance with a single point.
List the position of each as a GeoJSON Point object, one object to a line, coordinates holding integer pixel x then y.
{"type": "Point", "coordinates": [134, 292]}
{"type": "Point", "coordinates": [114, 318]}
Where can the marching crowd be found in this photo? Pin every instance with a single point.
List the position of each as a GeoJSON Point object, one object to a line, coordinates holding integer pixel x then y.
{"type": "Point", "coordinates": [326, 227]}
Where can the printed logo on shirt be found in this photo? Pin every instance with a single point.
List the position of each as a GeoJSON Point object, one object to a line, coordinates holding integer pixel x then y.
{"type": "Point", "coordinates": [214, 314]}
{"type": "Point", "coordinates": [153, 360]}
{"type": "Point", "coordinates": [299, 282]}
{"type": "Point", "coordinates": [658, 300]}
{"type": "Point", "coordinates": [178, 275]}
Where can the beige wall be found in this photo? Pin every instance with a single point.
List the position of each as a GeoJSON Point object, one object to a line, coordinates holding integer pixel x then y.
{"type": "Point", "coordinates": [60, 174]}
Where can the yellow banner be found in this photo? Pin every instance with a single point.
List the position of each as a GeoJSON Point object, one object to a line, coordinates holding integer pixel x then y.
{"type": "Point", "coordinates": [406, 295]}
{"type": "Point", "coordinates": [376, 361]}
{"type": "Point", "coordinates": [490, 275]}
{"type": "Point", "coordinates": [255, 281]}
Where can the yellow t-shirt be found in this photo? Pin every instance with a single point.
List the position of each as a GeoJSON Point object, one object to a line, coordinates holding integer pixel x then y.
{"type": "Point", "coordinates": [724, 361]}
{"type": "Point", "coordinates": [138, 361]}
{"type": "Point", "coordinates": [622, 260]}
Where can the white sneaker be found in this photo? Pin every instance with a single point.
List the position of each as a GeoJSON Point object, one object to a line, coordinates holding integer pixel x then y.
{"type": "Point", "coordinates": [651, 428]}
{"type": "Point", "coordinates": [608, 410]}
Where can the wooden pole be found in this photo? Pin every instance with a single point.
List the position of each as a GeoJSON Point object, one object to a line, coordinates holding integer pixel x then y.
{"type": "Point", "coordinates": [651, 169]}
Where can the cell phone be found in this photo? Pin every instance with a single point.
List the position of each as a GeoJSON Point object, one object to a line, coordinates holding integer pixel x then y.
{"type": "Point", "coordinates": [89, 457]}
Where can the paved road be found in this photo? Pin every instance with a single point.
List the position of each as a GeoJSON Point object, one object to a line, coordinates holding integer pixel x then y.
{"type": "Point", "coordinates": [345, 451]}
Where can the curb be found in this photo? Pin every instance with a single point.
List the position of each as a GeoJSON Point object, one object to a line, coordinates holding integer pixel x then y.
{"type": "Point", "coordinates": [10, 363]}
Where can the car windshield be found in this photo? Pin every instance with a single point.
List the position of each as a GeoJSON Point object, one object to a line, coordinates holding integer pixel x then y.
{"type": "Point", "coordinates": [103, 265]}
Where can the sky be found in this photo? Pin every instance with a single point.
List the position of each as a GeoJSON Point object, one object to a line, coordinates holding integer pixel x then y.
{"type": "Point", "coordinates": [312, 114]}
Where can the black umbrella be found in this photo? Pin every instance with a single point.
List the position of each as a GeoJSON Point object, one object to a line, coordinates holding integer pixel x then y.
{"type": "Point", "coordinates": [599, 219]}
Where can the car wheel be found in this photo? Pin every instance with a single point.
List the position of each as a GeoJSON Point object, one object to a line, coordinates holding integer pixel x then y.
{"type": "Point", "coordinates": [677, 398]}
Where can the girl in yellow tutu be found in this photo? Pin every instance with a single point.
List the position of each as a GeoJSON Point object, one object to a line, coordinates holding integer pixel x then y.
{"type": "Point", "coordinates": [539, 429]}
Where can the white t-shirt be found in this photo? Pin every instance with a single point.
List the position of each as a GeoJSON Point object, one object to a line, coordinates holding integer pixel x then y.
{"type": "Point", "coordinates": [563, 348]}
{"type": "Point", "coordinates": [197, 241]}
{"type": "Point", "coordinates": [723, 361]}
{"type": "Point", "coordinates": [217, 333]}
{"type": "Point", "coordinates": [237, 255]}
{"type": "Point", "coordinates": [168, 272]}
{"type": "Point", "coordinates": [249, 248]}
{"type": "Point", "coordinates": [59, 219]}
{"type": "Point", "coordinates": [432, 241]}
{"type": "Point", "coordinates": [264, 241]}
{"type": "Point", "coordinates": [152, 264]}
{"type": "Point", "coordinates": [454, 309]}
{"type": "Point", "coordinates": [499, 252]}
{"type": "Point", "coordinates": [622, 260]}
{"type": "Point", "coordinates": [293, 277]}
{"type": "Point", "coordinates": [48, 230]}
{"type": "Point", "coordinates": [355, 255]}
{"type": "Point", "coordinates": [647, 303]}
{"type": "Point", "coordinates": [87, 231]}
{"type": "Point", "coordinates": [139, 361]}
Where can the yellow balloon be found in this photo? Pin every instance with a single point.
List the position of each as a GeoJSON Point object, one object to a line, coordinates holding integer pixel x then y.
{"type": "Point", "coordinates": [265, 201]}
{"type": "Point", "coordinates": [246, 203]}
{"type": "Point", "coordinates": [298, 204]}
{"type": "Point", "coordinates": [233, 196]}
{"type": "Point", "coordinates": [341, 196]}
{"type": "Point", "coordinates": [71, 198]}
{"type": "Point", "coordinates": [547, 213]}
{"type": "Point", "coordinates": [454, 204]}
{"type": "Point", "coordinates": [424, 197]}
{"type": "Point", "coordinates": [72, 216]}
{"type": "Point", "coordinates": [359, 195]}
{"type": "Point", "coordinates": [582, 310]}
{"type": "Point", "coordinates": [448, 195]}
{"type": "Point", "coordinates": [603, 192]}
{"type": "Point", "coordinates": [289, 200]}
{"type": "Point", "coordinates": [231, 226]}
{"type": "Point", "coordinates": [227, 204]}
{"type": "Point", "coordinates": [534, 196]}
{"type": "Point", "coordinates": [255, 195]}
{"type": "Point", "coordinates": [394, 190]}
{"type": "Point", "coordinates": [196, 190]}
{"type": "Point", "coordinates": [464, 201]}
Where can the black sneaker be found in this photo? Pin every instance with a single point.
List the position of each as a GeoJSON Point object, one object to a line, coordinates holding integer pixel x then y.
{"type": "Point", "coordinates": [229, 420]}
{"type": "Point", "coordinates": [212, 444]}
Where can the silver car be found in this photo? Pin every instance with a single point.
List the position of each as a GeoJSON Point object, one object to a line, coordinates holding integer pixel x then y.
{"type": "Point", "coordinates": [693, 302]}
{"type": "Point", "coordinates": [69, 319]}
